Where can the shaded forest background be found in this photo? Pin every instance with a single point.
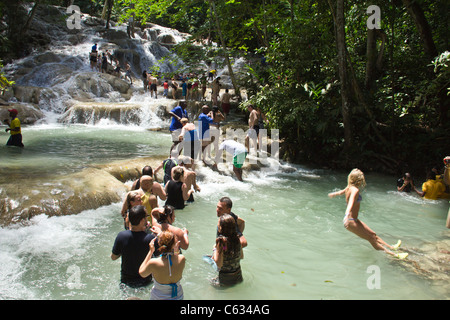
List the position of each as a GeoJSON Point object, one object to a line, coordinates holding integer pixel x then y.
{"type": "Point", "coordinates": [341, 94]}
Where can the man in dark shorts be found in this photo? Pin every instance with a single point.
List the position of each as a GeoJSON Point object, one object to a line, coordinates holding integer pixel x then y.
{"type": "Point", "coordinates": [153, 82]}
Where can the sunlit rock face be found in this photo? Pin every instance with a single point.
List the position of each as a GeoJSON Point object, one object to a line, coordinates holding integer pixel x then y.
{"type": "Point", "coordinates": [90, 188]}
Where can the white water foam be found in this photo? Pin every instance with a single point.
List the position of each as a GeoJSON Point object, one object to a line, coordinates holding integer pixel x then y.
{"type": "Point", "coordinates": [44, 241]}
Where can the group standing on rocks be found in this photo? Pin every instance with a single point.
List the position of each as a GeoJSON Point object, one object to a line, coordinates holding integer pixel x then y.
{"type": "Point", "coordinates": [193, 85]}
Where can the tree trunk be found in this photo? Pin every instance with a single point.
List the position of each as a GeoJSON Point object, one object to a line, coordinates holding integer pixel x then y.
{"type": "Point", "coordinates": [25, 28]}
{"type": "Point", "coordinates": [227, 58]}
{"type": "Point", "coordinates": [105, 9]}
{"type": "Point", "coordinates": [358, 94]}
{"type": "Point", "coordinates": [260, 35]}
{"type": "Point", "coordinates": [374, 57]}
{"type": "Point", "coordinates": [416, 12]}
{"type": "Point", "coordinates": [109, 8]}
{"type": "Point", "coordinates": [343, 76]}
{"type": "Point", "coordinates": [371, 56]}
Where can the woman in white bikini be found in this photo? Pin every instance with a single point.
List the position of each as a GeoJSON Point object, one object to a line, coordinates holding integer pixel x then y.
{"type": "Point", "coordinates": [356, 181]}
{"type": "Point", "coordinates": [167, 269]}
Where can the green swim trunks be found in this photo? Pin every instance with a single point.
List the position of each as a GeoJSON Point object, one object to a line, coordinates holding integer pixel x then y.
{"type": "Point", "coordinates": [239, 159]}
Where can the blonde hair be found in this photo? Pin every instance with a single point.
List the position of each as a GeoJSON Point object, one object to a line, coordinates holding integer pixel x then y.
{"type": "Point", "coordinates": [356, 178]}
{"type": "Point", "coordinates": [178, 172]}
{"type": "Point", "coordinates": [131, 197]}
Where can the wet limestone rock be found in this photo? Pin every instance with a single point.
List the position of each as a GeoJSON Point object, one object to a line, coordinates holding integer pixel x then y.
{"type": "Point", "coordinates": [28, 113]}
{"type": "Point", "coordinates": [91, 188]}
{"type": "Point", "coordinates": [64, 195]}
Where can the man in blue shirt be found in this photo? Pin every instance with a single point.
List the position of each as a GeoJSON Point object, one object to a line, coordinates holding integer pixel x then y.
{"type": "Point", "coordinates": [204, 119]}
{"type": "Point", "coordinates": [177, 114]}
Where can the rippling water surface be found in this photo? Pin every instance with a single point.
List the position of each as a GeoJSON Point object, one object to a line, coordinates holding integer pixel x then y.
{"type": "Point", "coordinates": [298, 247]}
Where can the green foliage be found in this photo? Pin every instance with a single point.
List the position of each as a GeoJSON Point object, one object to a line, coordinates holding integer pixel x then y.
{"type": "Point", "coordinates": [408, 104]}
{"type": "Point", "coordinates": [295, 89]}
{"type": "Point", "coordinates": [185, 15]}
{"type": "Point", "coordinates": [4, 82]}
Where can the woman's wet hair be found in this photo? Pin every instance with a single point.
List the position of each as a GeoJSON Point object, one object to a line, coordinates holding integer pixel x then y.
{"type": "Point", "coordinates": [356, 178]}
{"type": "Point", "coordinates": [168, 212]}
{"type": "Point", "coordinates": [131, 196]}
{"type": "Point", "coordinates": [178, 172]}
{"type": "Point", "coordinates": [228, 232]}
{"type": "Point", "coordinates": [166, 241]}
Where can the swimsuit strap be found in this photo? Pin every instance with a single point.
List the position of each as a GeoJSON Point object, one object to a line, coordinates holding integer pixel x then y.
{"type": "Point", "coordinates": [168, 255]}
{"type": "Point", "coordinates": [165, 162]}
{"type": "Point", "coordinates": [170, 263]}
{"type": "Point", "coordinates": [174, 287]}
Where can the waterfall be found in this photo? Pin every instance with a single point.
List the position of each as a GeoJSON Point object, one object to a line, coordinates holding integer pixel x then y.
{"type": "Point", "coordinates": [60, 82]}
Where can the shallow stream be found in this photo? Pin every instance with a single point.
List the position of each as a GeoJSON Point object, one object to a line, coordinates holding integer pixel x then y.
{"type": "Point", "coordinates": [298, 247]}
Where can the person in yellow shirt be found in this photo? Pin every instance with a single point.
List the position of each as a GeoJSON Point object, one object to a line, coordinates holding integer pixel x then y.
{"type": "Point", "coordinates": [149, 200]}
{"type": "Point", "coordinates": [14, 129]}
{"type": "Point", "coordinates": [432, 189]}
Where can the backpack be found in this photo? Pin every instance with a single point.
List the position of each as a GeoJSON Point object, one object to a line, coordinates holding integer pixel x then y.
{"type": "Point", "coordinates": [168, 165]}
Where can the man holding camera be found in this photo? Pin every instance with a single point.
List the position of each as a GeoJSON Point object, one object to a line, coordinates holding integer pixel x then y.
{"type": "Point", "coordinates": [405, 184]}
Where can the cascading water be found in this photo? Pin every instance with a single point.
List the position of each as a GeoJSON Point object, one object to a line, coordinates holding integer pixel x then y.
{"type": "Point", "coordinates": [61, 78]}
